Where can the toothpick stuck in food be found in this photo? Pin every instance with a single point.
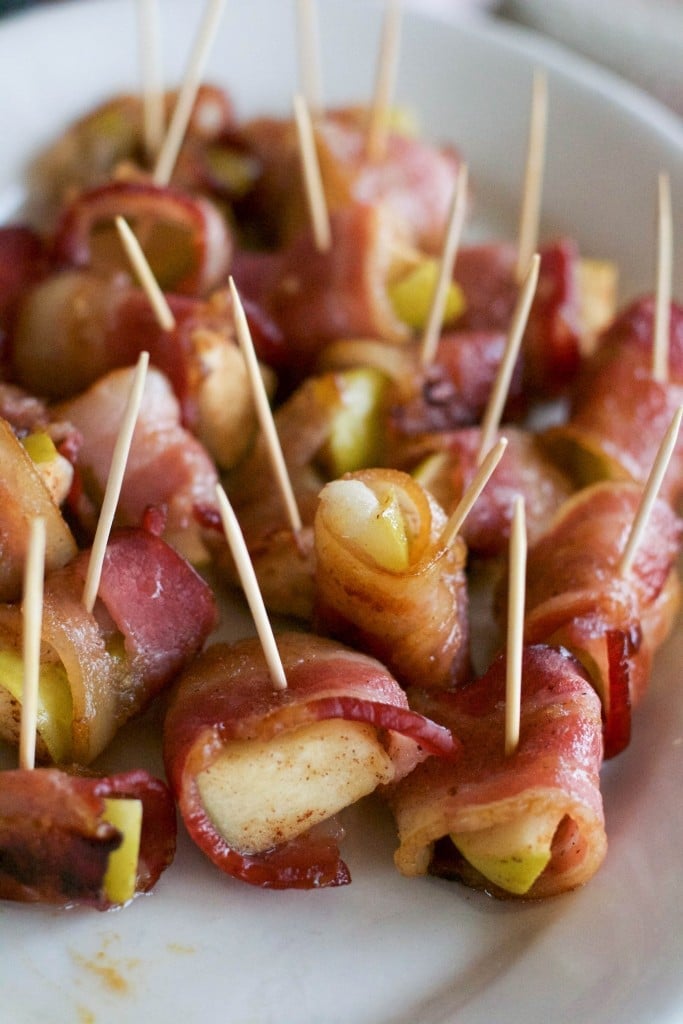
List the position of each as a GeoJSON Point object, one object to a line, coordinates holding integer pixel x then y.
{"type": "Point", "coordinates": [456, 222]}
{"type": "Point", "coordinates": [313, 182]}
{"type": "Point", "coordinates": [264, 412]}
{"type": "Point", "coordinates": [32, 609]}
{"type": "Point", "coordinates": [114, 482]}
{"type": "Point", "coordinates": [515, 628]}
{"type": "Point", "coordinates": [499, 392]}
{"type": "Point", "coordinates": [251, 589]}
{"type": "Point", "coordinates": [182, 112]}
{"type": "Point", "coordinates": [652, 486]}
{"type": "Point", "coordinates": [145, 276]}
{"type": "Point", "coordinates": [479, 481]}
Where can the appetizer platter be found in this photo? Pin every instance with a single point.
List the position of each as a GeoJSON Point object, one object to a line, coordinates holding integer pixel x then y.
{"type": "Point", "coordinates": [389, 946]}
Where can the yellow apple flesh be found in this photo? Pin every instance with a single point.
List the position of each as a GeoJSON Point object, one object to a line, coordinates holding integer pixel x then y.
{"type": "Point", "coordinates": [122, 867]}
{"type": "Point", "coordinates": [259, 794]}
{"type": "Point", "coordinates": [375, 525]}
{"type": "Point", "coordinates": [512, 855]}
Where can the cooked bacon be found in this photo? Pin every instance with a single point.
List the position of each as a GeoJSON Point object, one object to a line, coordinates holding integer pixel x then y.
{"type": "Point", "coordinates": [23, 496]}
{"type": "Point", "coordinates": [23, 261]}
{"type": "Point", "coordinates": [76, 326]}
{"type": "Point", "coordinates": [453, 391]}
{"type": "Point", "coordinates": [317, 297]}
{"type": "Point", "coordinates": [607, 436]}
{"type": "Point", "coordinates": [119, 657]}
{"type": "Point", "coordinates": [166, 465]}
{"type": "Point", "coordinates": [576, 596]}
{"type": "Point", "coordinates": [415, 619]}
{"type": "Point", "coordinates": [227, 695]}
{"type": "Point", "coordinates": [412, 179]}
{"type": "Point", "coordinates": [551, 345]}
{"type": "Point", "coordinates": [99, 144]}
{"type": "Point", "coordinates": [553, 773]}
{"type": "Point", "coordinates": [186, 239]}
{"type": "Point", "coordinates": [446, 464]}
{"type": "Point", "coordinates": [55, 845]}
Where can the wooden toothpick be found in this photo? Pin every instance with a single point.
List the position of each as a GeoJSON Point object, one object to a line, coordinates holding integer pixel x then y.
{"type": "Point", "coordinates": [152, 87]}
{"type": "Point", "coordinates": [385, 81]}
{"type": "Point", "coordinates": [114, 482]}
{"type": "Point", "coordinates": [456, 221]}
{"type": "Point", "coordinates": [515, 628]}
{"type": "Point", "coordinates": [32, 610]}
{"type": "Point", "coordinates": [479, 481]}
{"type": "Point", "coordinates": [145, 276]}
{"type": "Point", "coordinates": [652, 486]}
{"type": "Point", "coordinates": [309, 56]}
{"type": "Point", "coordinates": [499, 393]}
{"type": "Point", "coordinates": [313, 182]}
{"type": "Point", "coordinates": [182, 112]}
{"type": "Point", "coordinates": [660, 345]}
{"type": "Point", "coordinates": [264, 412]}
{"type": "Point", "coordinates": [251, 589]}
{"type": "Point", "coordinates": [530, 213]}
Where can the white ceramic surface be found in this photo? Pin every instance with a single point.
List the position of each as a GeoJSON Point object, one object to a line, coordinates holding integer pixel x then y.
{"type": "Point", "coordinates": [384, 950]}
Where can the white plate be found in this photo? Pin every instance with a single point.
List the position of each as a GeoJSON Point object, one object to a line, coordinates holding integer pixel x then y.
{"type": "Point", "coordinates": [385, 949]}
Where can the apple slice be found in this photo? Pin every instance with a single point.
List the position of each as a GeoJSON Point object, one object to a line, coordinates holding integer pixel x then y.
{"type": "Point", "coordinates": [356, 429]}
{"type": "Point", "coordinates": [259, 794]}
{"type": "Point", "coordinates": [55, 708]}
{"type": "Point", "coordinates": [375, 524]}
{"type": "Point", "coordinates": [411, 295]}
{"type": "Point", "coordinates": [513, 854]}
{"type": "Point", "coordinates": [122, 867]}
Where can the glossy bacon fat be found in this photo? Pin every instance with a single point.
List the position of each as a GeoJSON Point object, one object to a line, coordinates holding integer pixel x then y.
{"type": "Point", "coordinates": [99, 669]}
{"type": "Point", "coordinates": [538, 807]}
{"type": "Point", "coordinates": [613, 622]}
{"type": "Point", "coordinates": [55, 841]}
{"type": "Point", "coordinates": [258, 772]}
{"type": "Point", "coordinates": [384, 582]}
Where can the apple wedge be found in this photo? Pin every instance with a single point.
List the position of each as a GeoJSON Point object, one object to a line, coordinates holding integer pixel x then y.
{"type": "Point", "coordinates": [259, 794]}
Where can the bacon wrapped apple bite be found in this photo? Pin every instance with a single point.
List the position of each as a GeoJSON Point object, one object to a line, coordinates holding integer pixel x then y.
{"type": "Point", "coordinates": [70, 839]}
{"type": "Point", "coordinates": [167, 466]}
{"type": "Point", "coordinates": [386, 582]}
{"type": "Point", "coordinates": [99, 669]}
{"type": "Point", "coordinates": [608, 436]}
{"type": "Point", "coordinates": [527, 824]}
{"type": "Point", "coordinates": [258, 773]}
{"type": "Point", "coordinates": [579, 596]}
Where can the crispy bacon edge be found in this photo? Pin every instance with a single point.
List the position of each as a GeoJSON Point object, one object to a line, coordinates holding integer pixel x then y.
{"type": "Point", "coordinates": [54, 845]}
{"type": "Point", "coordinates": [213, 705]}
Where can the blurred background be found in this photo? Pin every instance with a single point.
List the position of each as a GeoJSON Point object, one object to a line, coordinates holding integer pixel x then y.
{"type": "Point", "coordinates": [641, 40]}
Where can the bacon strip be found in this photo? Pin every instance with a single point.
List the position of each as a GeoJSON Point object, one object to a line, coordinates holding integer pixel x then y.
{"type": "Point", "coordinates": [414, 620]}
{"type": "Point", "coordinates": [138, 638]}
{"type": "Point", "coordinates": [577, 597]}
{"type": "Point", "coordinates": [554, 771]}
{"type": "Point", "coordinates": [608, 437]}
{"type": "Point", "coordinates": [55, 846]}
{"type": "Point", "coordinates": [192, 258]}
{"type": "Point", "coordinates": [227, 694]}
{"type": "Point", "coordinates": [524, 469]}
{"type": "Point", "coordinates": [551, 344]}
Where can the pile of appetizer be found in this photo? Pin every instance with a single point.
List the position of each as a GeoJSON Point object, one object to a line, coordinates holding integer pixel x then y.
{"type": "Point", "coordinates": [389, 686]}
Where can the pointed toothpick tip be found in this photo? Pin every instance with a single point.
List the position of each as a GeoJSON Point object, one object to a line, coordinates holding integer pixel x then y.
{"type": "Point", "coordinates": [114, 482]}
{"type": "Point", "coordinates": [252, 591]}
{"type": "Point", "coordinates": [650, 493]}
